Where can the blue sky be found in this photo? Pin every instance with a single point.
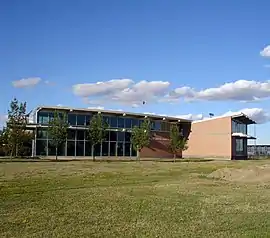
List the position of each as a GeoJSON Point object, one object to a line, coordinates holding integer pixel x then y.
{"type": "Point", "coordinates": [168, 53]}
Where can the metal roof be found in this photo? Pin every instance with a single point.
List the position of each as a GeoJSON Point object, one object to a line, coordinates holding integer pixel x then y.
{"type": "Point", "coordinates": [115, 112]}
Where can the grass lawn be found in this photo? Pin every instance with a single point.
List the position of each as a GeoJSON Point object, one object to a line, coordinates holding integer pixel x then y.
{"type": "Point", "coordinates": [129, 199]}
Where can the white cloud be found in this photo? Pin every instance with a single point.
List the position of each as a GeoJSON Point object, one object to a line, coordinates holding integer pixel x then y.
{"type": "Point", "coordinates": [122, 91]}
{"type": "Point", "coordinates": [265, 52]}
{"type": "Point", "coordinates": [193, 117]}
{"type": "Point", "coordinates": [241, 90]}
{"type": "Point", "coordinates": [101, 88]}
{"type": "Point", "coordinates": [26, 82]}
{"type": "Point", "coordinates": [142, 91]}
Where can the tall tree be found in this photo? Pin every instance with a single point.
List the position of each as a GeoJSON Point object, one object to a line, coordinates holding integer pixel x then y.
{"type": "Point", "coordinates": [141, 136]}
{"type": "Point", "coordinates": [97, 131]}
{"type": "Point", "coordinates": [16, 126]}
{"type": "Point", "coordinates": [58, 130]}
{"type": "Point", "coordinates": [177, 141]}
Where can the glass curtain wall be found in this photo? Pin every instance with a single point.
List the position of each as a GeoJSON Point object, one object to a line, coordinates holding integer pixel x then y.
{"type": "Point", "coordinates": [238, 127]}
{"type": "Point", "coordinates": [117, 142]}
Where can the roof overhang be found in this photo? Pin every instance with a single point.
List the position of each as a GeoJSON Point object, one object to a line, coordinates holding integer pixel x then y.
{"type": "Point", "coordinates": [119, 113]}
{"type": "Point", "coordinates": [243, 118]}
{"type": "Point", "coordinates": [242, 135]}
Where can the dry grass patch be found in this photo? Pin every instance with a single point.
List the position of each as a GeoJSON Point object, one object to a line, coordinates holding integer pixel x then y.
{"type": "Point", "coordinates": [250, 174]}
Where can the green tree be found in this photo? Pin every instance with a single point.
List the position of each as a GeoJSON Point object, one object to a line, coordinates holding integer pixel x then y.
{"type": "Point", "coordinates": [3, 142]}
{"type": "Point", "coordinates": [97, 131]}
{"type": "Point", "coordinates": [177, 141]}
{"type": "Point", "coordinates": [141, 136]}
{"type": "Point", "coordinates": [16, 127]}
{"type": "Point", "coordinates": [58, 129]}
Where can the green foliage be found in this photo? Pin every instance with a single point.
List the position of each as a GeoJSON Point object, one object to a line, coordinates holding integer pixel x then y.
{"type": "Point", "coordinates": [141, 136]}
{"type": "Point", "coordinates": [97, 131]}
{"type": "Point", "coordinates": [177, 141]}
{"type": "Point", "coordinates": [3, 143]}
{"type": "Point", "coordinates": [58, 129]}
{"type": "Point", "coordinates": [15, 133]}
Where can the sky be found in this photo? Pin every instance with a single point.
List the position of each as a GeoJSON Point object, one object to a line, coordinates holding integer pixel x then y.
{"type": "Point", "coordinates": [183, 58]}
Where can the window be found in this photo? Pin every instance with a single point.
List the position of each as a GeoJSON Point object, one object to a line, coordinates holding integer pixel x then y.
{"type": "Point", "coordinates": [128, 122]}
{"type": "Point", "coordinates": [107, 135]}
{"type": "Point", "coordinates": [121, 122]}
{"type": "Point", "coordinates": [112, 148]}
{"type": "Point", "coordinates": [43, 118]}
{"type": "Point", "coordinates": [72, 119]}
{"type": "Point", "coordinates": [41, 147]}
{"type": "Point", "coordinates": [127, 136]}
{"type": "Point", "coordinates": [239, 145]}
{"type": "Point", "coordinates": [127, 149]}
{"type": "Point", "coordinates": [80, 135]}
{"type": "Point", "coordinates": [163, 126]}
{"type": "Point", "coordinates": [157, 126]}
{"type": "Point", "coordinates": [113, 136]}
{"type": "Point", "coordinates": [88, 148]}
{"type": "Point", "coordinates": [105, 149]}
{"type": "Point", "coordinates": [135, 122]}
{"type": "Point", "coordinates": [80, 148]}
{"type": "Point", "coordinates": [239, 127]}
{"type": "Point", "coordinates": [52, 151]}
{"type": "Point", "coordinates": [51, 116]}
{"type": "Point", "coordinates": [113, 122]}
{"type": "Point", "coordinates": [106, 119]}
{"type": "Point", "coordinates": [71, 134]}
{"type": "Point", "coordinates": [120, 149]}
{"type": "Point", "coordinates": [71, 148]}
{"type": "Point", "coordinates": [80, 120]}
{"type": "Point", "coordinates": [120, 136]}
{"type": "Point", "coordinates": [42, 133]}
{"type": "Point", "coordinates": [87, 120]}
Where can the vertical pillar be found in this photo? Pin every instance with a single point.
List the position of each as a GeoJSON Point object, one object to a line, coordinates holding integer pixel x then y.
{"type": "Point", "coordinates": [84, 144]}
{"type": "Point", "coordinates": [47, 147]}
{"type": "Point", "coordinates": [34, 144]}
{"type": "Point", "coordinates": [75, 143]}
{"type": "Point", "coordinates": [66, 148]}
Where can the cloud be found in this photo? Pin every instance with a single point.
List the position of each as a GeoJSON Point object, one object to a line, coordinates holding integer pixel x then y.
{"type": "Point", "coordinates": [265, 52]}
{"type": "Point", "coordinates": [101, 88]}
{"type": "Point", "coordinates": [122, 91]}
{"type": "Point", "coordinates": [192, 117]}
{"type": "Point", "coordinates": [26, 82]}
{"type": "Point", "coordinates": [241, 90]}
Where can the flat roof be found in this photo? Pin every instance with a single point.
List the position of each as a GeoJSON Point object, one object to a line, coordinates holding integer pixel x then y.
{"type": "Point", "coordinates": [115, 112]}
{"type": "Point", "coordinates": [240, 117]}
